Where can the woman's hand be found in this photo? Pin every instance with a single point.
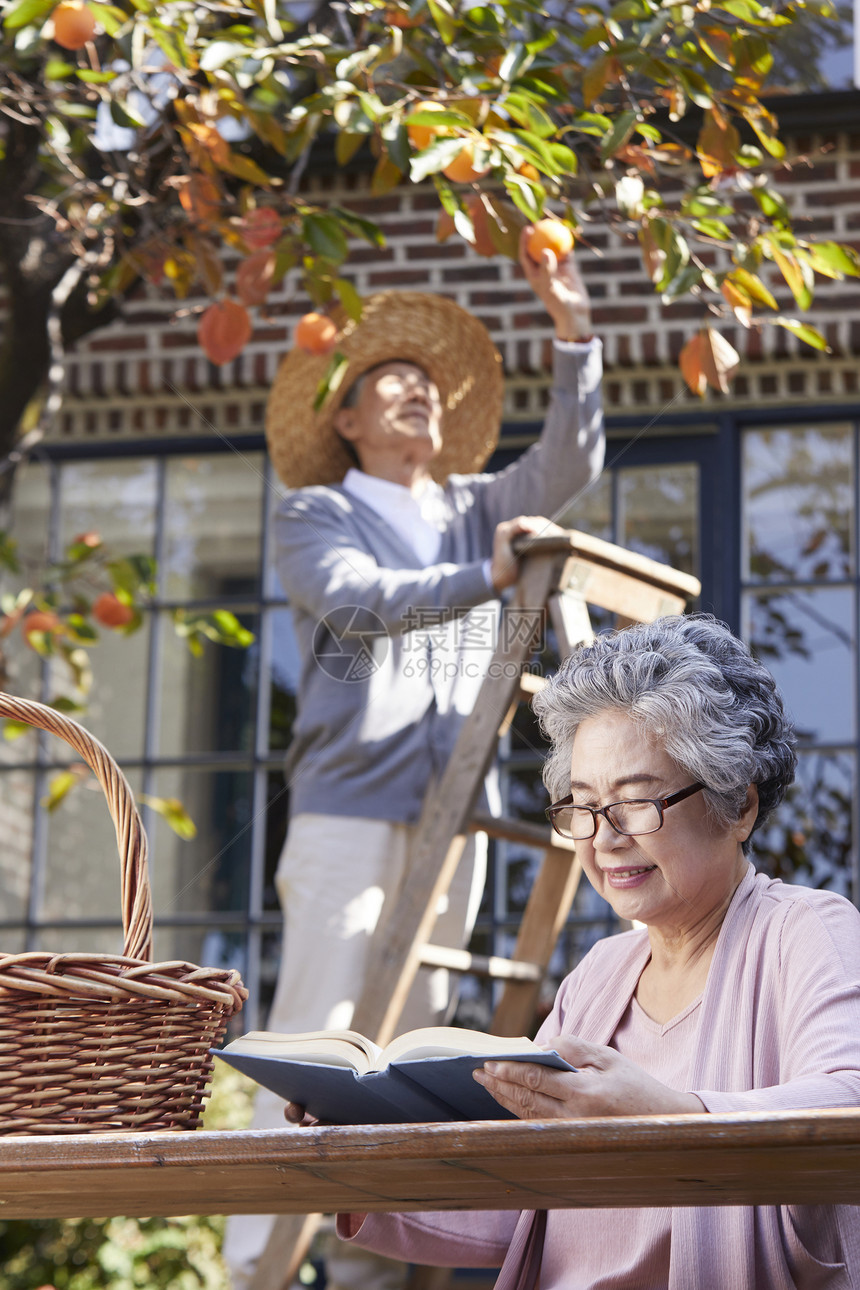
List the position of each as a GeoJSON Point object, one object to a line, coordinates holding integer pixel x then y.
{"type": "Point", "coordinates": [561, 290]}
{"type": "Point", "coordinates": [296, 1114]}
{"type": "Point", "coordinates": [605, 1083]}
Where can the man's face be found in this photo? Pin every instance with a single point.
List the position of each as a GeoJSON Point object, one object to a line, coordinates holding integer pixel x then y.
{"type": "Point", "coordinates": [397, 407]}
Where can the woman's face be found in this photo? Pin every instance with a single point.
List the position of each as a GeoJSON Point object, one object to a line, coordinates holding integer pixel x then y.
{"type": "Point", "coordinates": [672, 880]}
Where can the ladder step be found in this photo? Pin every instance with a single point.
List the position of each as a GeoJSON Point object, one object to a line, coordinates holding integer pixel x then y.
{"type": "Point", "coordinates": [532, 835]}
{"type": "Point", "coordinates": [531, 683]}
{"type": "Point", "coordinates": [481, 964]}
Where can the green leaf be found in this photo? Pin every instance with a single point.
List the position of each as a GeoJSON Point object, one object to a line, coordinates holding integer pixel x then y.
{"type": "Point", "coordinates": [712, 228]}
{"type": "Point", "coordinates": [515, 61]}
{"type": "Point", "coordinates": [219, 53]}
{"type": "Point", "coordinates": [618, 135]}
{"type": "Point", "coordinates": [833, 260]}
{"type": "Point", "coordinates": [592, 123]}
{"type": "Point", "coordinates": [386, 175]}
{"type": "Point", "coordinates": [121, 115]}
{"type": "Point", "coordinates": [13, 730]}
{"type": "Point", "coordinates": [529, 114]}
{"type": "Point", "coordinates": [524, 196]}
{"type": "Point", "coordinates": [359, 226]}
{"type": "Point", "coordinates": [349, 298]}
{"type": "Point", "coordinates": [696, 87]}
{"type": "Point", "coordinates": [804, 332]}
{"type": "Point", "coordinates": [797, 274]}
{"type": "Point", "coordinates": [61, 785]}
{"type": "Point", "coordinates": [773, 205]}
{"type": "Point", "coordinates": [130, 575]}
{"type": "Point", "coordinates": [81, 629]}
{"type": "Point", "coordinates": [753, 286]}
{"type": "Point", "coordinates": [58, 70]}
{"type": "Point", "coordinates": [346, 145]}
{"type": "Point", "coordinates": [435, 158]}
{"type": "Point", "coordinates": [674, 248]}
{"type": "Point", "coordinates": [95, 78]}
{"type": "Point", "coordinates": [110, 16]}
{"type": "Point", "coordinates": [173, 813]}
{"type": "Point", "coordinates": [331, 379]}
{"type": "Point", "coordinates": [325, 237]}
{"type": "Point", "coordinates": [64, 704]}
{"type": "Point", "coordinates": [443, 16]}
{"type": "Point", "coordinates": [244, 168]}
{"type": "Point", "coordinates": [8, 553]}
{"type": "Point", "coordinates": [764, 131]}
{"type": "Point", "coordinates": [27, 12]}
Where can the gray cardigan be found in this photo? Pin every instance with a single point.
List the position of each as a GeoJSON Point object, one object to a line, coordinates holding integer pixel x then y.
{"type": "Point", "coordinates": [393, 653]}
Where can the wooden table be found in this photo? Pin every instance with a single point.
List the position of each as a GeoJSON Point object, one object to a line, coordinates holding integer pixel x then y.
{"type": "Point", "coordinates": [811, 1157]}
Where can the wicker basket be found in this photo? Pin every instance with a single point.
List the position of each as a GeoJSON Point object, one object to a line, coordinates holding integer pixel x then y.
{"type": "Point", "coordinates": [93, 1042]}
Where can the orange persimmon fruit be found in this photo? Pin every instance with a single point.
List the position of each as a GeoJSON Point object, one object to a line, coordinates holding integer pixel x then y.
{"type": "Point", "coordinates": [41, 620]}
{"type": "Point", "coordinates": [315, 333]}
{"type": "Point", "coordinates": [224, 331]}
{"type": "Point", "coordinates": [255, 276]}
{"type": "Point", "coordinates": [549, 235]}
{"type": "Point", "coordinates": [110, 611]}
{"type": "Point", "coordinates": [74, 24]}
{"type": "Point", "coordinates": [421, 136]}
{"type": "Point", "coordinates": [462, 170]}
{"type": "Point", "coordinates": [261, 228]}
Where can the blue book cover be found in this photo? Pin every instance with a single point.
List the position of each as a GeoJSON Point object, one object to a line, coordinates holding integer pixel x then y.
{"type": "Point", "coordinates": [425, 1076]}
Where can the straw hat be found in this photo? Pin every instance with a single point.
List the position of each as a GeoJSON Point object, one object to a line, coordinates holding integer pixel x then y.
{"type": "Point", "coordinates": [451, 346]}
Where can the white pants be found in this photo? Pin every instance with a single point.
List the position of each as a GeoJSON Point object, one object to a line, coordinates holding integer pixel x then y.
{"type": "Point", "coordinates": [338, 877]}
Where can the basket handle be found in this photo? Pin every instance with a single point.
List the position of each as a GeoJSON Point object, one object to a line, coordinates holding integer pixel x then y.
{"type": "Point", "coordinates": [135, 892]}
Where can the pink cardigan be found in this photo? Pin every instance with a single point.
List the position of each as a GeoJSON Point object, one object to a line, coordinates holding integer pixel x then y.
{"type": "Point", "coordinates": [779, 1030]}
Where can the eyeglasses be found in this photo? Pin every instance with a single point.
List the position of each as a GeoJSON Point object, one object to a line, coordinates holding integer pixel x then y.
{"type": "Point", "coordinates": [632, 818]}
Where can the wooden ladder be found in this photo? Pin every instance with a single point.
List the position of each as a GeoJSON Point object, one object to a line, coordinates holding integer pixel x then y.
{"type": "Point", "coordinates": [562, 573]}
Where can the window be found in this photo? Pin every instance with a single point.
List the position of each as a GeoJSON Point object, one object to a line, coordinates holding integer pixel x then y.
{"type": "Point", "coordinates": [799, 613]}
{"type": "Point", "coordinates": [203, 730]}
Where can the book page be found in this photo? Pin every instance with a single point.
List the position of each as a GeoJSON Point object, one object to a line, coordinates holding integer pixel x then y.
{"type": "Point", "coordinates": [330, 1047]}
{"type": "Point", "coordinates": [448, 1041]}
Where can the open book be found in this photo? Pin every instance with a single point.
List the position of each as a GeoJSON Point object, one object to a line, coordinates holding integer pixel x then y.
{"type": "Point", "coordinates": [342, 1078]}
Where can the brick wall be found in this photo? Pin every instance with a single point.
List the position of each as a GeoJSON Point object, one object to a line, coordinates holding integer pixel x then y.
{"type": "Point", "coordinates": [145, 375]}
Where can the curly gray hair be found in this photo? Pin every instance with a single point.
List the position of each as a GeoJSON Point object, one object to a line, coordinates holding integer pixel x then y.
{"type": "Point", "coordinates": [693, 687]}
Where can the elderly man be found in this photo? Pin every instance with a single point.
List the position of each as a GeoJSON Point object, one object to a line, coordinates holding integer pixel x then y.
{"type": "Point", "coordinates": [393, 551]}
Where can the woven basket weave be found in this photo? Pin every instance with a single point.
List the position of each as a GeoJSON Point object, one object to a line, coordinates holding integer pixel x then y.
{"type": "Point", "coordinates": [93, 1042]}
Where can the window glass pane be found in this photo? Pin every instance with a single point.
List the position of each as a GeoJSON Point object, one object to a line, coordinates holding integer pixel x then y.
{"type": "Point", "coordinates": [31, 514]}
{"type": "Point", "coordinates": [81, 860]}
{"type": "Point", "coordinates": [78, 940]}
{"type": "Point", "coordinates": [285, 674]}
{"type": "Point", "coordinates": [23, 668]}
{"type": "Point", "coordinates": [591, 511]}
{"type": "Point", "coordinates": [809, 838]}
{"type": "Point", "coordinates": [211, 524]}
{"type": "Point", "coordinates": [16, 830]}
{"type": "Point", "coordinates": [116, 705]}
{"type": "Point", "coordinates": [117, 499]}
{"type": "Point", "coordinates": [211, 871]}
{"type": "Point", "coordinates": [806, 639]}
{"type": "Point", "coordinates": [204, 946]}
{"type": "Point", "coordinates": [207, 702]}
{"type": "Point", "coordinates": [798, 503]}
{"type": "Point", "coordinates": [658, 513]}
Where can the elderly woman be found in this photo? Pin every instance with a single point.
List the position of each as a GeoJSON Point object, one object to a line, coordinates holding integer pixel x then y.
{"type": "Point", "coordinates": [670, 746]}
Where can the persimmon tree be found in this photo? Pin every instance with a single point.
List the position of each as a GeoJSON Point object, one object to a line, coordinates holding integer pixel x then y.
{"type": "Point", "coordinates": [141, 140]}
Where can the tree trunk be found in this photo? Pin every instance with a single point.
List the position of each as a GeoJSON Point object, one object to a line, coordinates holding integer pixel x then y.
{"type": "Point", "coordinates": [33, 260]}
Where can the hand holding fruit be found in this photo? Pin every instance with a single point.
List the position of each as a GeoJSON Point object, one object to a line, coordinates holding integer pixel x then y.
{"type": "Point", "coordinates": [547, 260]}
